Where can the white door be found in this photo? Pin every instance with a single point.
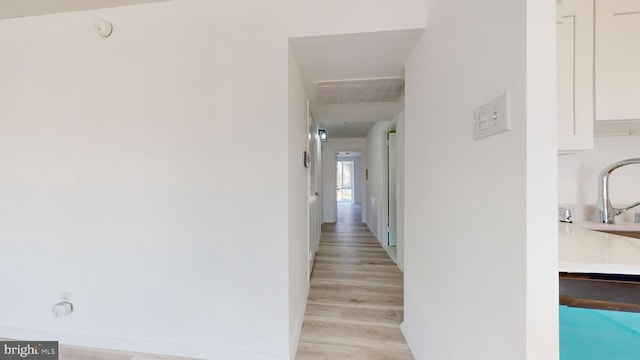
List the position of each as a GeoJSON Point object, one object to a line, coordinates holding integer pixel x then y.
{"type": "Point", "coordinates": [313, 150]}
{"type": "Point", "coordinates": [391, 190]}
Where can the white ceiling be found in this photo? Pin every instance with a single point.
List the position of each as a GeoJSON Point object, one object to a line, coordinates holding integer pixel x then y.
{"type": "Point", "coordinates": [21, 8]}
{"type": "Point", "coordinates": [361, 91]}
{"type": "Point", "coordinates": [348, 57]}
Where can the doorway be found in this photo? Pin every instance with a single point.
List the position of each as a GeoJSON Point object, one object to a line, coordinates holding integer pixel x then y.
{"type": "Point", "coordinates": [344, 181]}
{"type": "Point", "coordinates": [391, 189]}
{"type": "Point", "coordinates": [314, 184]}
{"type": "Point", "coordinates": [348, 184]}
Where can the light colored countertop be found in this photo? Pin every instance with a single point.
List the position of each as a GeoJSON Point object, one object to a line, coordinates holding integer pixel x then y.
{"type": "Point", "coordinates": [582, 250]}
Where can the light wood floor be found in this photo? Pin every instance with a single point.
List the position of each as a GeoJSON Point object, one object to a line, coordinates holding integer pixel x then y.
{"type": "Point", "coordinates": [80, 353]}
{"type": "Point", "coordinates": [355, 304]}
{"type": "Point", "coordinates": [77, 353]}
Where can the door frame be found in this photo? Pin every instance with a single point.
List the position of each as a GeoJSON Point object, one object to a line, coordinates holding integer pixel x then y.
{"type": "Point", "coordinates": [383, 226]}
{"type": "Point", "coordinates": [314, 219]}
{"type": "Point", "coordinates": [353, 177]}
{"type": "Point", "coordinates": [390, 212]}
{"type": "Point", "coordinates": [361, 184]}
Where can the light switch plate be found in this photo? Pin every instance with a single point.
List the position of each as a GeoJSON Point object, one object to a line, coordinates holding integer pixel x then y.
{"type": "Point", "coordinates": [491, 118]}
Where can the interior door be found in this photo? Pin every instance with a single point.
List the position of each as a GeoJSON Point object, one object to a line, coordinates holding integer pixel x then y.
{"type": "Point", "coordinates": [391, 190]}
{"type": "Point", "coordinates": [313, 149]}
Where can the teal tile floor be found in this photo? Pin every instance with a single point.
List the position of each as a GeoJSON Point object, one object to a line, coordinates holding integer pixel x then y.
{"type": "Point", "coordinates": [587, 334]}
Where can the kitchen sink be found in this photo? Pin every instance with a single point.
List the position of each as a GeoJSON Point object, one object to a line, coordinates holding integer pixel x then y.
{"type": "Point", "coordinates": [622, 228]}
{"type": "Point", "coordinates": [633, 234]}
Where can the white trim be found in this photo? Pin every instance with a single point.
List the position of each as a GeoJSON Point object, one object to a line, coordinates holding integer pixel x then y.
{"type": "Point", "coordinates": [408, 338]}
{"type": "Point", "coordinates": [393, 256]}
{"type": "Point", "coordinates": [293, 346]}
{"type": "Point", "coordinates": [383, 226]}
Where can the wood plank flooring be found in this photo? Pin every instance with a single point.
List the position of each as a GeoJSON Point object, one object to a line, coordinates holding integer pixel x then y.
{"type": "Point", "coordinates": [68, 352]}
{"type": "Point", "coordinates": [355, 304]}
{"type": "Point", "coordinates": [78, 353]}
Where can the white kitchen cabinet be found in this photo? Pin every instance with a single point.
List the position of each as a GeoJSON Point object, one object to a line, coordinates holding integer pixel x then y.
{"type": "Point", "coordinates": [574, 26]}
{"type": "Point", "coordinates": [617, 60]}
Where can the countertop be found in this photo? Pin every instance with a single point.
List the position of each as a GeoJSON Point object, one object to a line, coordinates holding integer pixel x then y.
{"type": "Point", "coordinates": [583, 250]}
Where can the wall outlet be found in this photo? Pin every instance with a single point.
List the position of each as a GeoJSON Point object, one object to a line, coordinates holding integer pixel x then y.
{"type": "Point", "coordinates": [491, 118]}
{"type": "Point", "coordinates": [62, 308]}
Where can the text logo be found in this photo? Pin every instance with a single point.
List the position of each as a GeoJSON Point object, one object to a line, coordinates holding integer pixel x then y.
{"type": "Point", "coordinates": [41, 350]}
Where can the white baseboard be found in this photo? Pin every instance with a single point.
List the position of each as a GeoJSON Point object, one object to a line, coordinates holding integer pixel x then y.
{"type": "Point", "coordinates": [409, 339]}
{"type": "Point", "coordinates": [151, 347]}
{"type": "Point", "coordinates": [298, 329]}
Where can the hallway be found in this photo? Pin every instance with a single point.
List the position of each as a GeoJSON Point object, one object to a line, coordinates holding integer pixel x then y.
{"type": "Point", "coordinates": [355, 303]}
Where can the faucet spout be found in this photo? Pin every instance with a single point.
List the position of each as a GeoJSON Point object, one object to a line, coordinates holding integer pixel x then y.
{"type": "Point", "coordinates": [605, 212]}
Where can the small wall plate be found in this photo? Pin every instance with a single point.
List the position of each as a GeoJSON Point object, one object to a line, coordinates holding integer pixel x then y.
{"type": "Point", "coordinates": [491, 118]}
{"type": "Point", "coordinates": [103, 27]}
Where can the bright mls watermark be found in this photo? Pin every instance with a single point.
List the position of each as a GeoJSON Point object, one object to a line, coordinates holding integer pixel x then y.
{"type": "Point", "coordinates": [41, 350]}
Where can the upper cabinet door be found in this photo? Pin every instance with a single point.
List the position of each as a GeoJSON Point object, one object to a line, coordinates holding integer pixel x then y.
{"type": "Point", "coordinates": [574, 26]}
{"type": "Point", "coordinates": [617, 60]}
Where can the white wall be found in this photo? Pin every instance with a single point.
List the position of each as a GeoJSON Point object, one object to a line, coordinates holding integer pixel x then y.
{"type": "Point", "coordinates": [578, 173]}
{"type": "Point", "coordinates": [357, 180]}
{"type": "Point", "coordinates": [116, 182]}
{"type": "Point", "coordinates": [329, 150]}
{"type": "Point", "coordinates": [376, 149]}
{"type": "Point", "coordinates": [376, 155]}
{"type": "Point", "coordinates": [298, 204]}
{"type": "Point", "coordinates": [480, 215]}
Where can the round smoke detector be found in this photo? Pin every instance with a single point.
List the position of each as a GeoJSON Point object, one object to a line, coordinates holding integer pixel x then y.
{"type": "Point", "coordinates": [103, 27]}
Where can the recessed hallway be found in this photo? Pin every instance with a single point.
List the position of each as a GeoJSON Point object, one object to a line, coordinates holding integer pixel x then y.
{"type": "Point", "coordinates": [355, 304]}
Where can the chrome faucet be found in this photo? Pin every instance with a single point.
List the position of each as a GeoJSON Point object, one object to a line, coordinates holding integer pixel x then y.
{"type": "Point", "coordinates": [604, 211]}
